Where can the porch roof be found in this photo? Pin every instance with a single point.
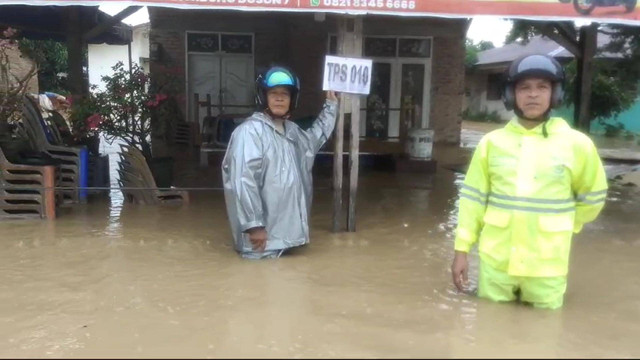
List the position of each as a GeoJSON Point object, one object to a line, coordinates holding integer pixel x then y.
{"type": "Point", "coordinates": [50, 23]}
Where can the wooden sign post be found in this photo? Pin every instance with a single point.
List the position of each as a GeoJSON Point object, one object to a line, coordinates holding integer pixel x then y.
{"type": "Point", "coordinates": [354, 76]}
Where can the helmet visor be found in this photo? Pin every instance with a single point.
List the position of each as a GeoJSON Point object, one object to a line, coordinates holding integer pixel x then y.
{"type": "Point", "coordinates": [537, 65]}
{"type": "Point", "coordinates": [279, 78]}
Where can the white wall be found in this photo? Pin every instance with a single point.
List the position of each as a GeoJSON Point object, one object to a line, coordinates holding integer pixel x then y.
{"type": "Point", "coordinates": [103, 57]}
{"type": "Point", "coordinates": [498, 106]}
{"type": "Point", "coordinates": [476, 101]}
{"type": "Point", "coordinates": [140, 44]}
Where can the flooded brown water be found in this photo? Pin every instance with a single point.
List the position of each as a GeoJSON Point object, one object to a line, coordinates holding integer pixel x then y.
{"type": "Point", "coordinates": [113, 280]}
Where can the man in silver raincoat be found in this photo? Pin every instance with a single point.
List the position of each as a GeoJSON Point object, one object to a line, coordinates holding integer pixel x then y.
{"type": "Point", "coordinates": [267, 169]}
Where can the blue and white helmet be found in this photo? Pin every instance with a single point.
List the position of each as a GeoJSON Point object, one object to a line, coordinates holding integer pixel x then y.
{"type": "Point", "coordinates": [277, 76]}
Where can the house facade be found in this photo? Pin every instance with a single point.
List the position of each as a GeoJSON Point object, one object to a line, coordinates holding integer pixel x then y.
{"type": "Point", "coordinates": [417, 78]}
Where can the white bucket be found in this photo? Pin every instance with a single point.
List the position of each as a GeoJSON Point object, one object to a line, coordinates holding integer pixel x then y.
{"type": "Point", "coordinates": [419, 144]}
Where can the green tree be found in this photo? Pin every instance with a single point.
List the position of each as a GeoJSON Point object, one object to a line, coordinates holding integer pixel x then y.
{"type": "Point", "coordinates": [522, 31]}
{"type": "Point", "coordinates": [51, 58]}
{"type": "Point", "coordinates": [472, 50]}
{"type": "Point", "coordinates": [613, 89]}
{"type": "Point", "coordinates": [615, 80]}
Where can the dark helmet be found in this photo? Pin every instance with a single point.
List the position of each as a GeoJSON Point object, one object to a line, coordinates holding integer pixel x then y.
{"type": "Point", "coordinates": [540, 66]}
{"type": "Point", "coordinates": [277, 76]}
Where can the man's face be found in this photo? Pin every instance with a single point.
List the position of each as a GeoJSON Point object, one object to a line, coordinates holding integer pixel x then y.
{"type": "Point", "coordinates": [533, 97]}
{"type": "Point", "coordinates": [279, 99]}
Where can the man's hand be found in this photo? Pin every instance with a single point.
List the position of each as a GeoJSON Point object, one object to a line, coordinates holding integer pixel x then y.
{"type": "Point", "coordinates": [459, 270]}
{"type": "Point", "coordinates": [331, 95]}
{"type": "Point", "coordinates": [258, 238]}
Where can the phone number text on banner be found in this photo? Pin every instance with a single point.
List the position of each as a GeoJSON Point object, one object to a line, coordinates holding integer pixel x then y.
{"type": "Point", "coordinates": [367, 4]}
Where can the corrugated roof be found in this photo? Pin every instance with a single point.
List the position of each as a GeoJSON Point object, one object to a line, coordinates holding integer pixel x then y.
{"type": "Point", "coordinates": [537, 45]}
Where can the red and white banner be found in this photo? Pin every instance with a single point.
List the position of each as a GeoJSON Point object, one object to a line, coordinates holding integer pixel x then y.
{"type": "Point", "coordinates": [614, 11]}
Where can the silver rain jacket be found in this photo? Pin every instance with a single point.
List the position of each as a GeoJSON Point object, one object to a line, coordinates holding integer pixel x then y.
{"type": "Point", "coordinates": [267, 178]}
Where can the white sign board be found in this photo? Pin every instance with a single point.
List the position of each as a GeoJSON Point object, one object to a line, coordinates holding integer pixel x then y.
{"type": "Point", "coordinates": [347, 75]}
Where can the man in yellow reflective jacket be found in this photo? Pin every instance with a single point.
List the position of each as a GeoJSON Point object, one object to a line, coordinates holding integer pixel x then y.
{"type": "Point", "coordinates": [529, 187]}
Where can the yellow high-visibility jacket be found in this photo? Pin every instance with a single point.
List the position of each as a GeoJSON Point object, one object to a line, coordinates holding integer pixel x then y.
{"type": "Point", "coordinates": [525, 195]}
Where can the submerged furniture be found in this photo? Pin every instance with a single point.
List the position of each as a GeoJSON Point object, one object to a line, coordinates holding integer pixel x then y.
{"type": "Point", "coordinates": [26, 191]}
{"type": "Point", "coordinates": [73, 160]}
{"type": "Point", "coordinates": [138, 182]}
